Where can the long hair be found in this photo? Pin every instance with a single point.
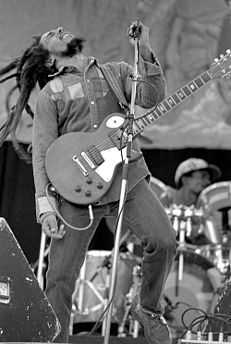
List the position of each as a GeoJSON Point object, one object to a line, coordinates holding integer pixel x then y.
{"type": "Point", "coordinates": [27, 70]}
{"type": "Point", "coordinates": [31, 68]}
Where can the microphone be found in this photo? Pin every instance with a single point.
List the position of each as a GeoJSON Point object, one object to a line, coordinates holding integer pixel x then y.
{"type": "Point", "coordinates": [135, 30]}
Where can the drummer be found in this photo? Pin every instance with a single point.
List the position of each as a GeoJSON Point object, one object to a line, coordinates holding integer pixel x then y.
{"type": "Point", "coordinates": [191, 177]}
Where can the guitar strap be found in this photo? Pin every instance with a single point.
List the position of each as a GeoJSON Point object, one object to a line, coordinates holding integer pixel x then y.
{"type": "Point", "coordinates": [115, 86]}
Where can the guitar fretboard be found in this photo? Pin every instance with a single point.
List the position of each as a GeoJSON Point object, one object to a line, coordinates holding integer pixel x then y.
{"type": "Point", "coordinates": [170, 102]}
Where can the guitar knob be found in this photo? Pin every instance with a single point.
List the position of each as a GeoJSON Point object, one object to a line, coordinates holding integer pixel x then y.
{"type": "Point", "coordinates": [89, 181]}
{"type": "Point", "coordinates": [88, 193]}
{"type": "Point", "coordinates": [78, 188]}
{"type": "Point", "coordinates": [99, 186]}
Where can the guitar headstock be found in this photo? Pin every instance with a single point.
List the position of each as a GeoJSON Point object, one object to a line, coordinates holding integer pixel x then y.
{"type": "Point", "coordinates": [221, 67]}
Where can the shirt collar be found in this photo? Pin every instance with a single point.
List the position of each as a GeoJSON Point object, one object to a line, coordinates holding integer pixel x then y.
{"type": "Point", "coordinates": [71, 68]}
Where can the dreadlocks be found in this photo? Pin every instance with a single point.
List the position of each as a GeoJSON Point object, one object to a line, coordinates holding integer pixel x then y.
{"type": "Point", "coordinates": [30, 68]}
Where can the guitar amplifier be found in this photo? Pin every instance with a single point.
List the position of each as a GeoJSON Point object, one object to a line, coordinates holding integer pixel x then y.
{"type": "Point", "coordinates": [25, 313]}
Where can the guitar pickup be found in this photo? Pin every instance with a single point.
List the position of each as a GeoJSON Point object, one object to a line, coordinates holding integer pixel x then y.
{"type": "Point", "coordinates": [93, 154]}
{"type": "Point", "coordinates": [82, 168]}
{"type": "Point", "coordinates": [88, 160]}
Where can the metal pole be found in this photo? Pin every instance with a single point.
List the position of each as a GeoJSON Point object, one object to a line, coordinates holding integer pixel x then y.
{"type": "Point", "coordinates": [122, 195]}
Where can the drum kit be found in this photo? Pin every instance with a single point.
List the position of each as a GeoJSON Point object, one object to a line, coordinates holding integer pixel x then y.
{"type": "Point", "coordinates": [199, 274]}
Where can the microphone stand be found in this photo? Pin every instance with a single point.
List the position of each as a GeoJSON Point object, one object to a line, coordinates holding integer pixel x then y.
{"type": "Point", "coordinates": [123, 191]}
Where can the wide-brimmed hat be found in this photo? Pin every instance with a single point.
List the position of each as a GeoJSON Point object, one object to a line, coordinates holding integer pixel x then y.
{"type": "Point", "coordinates": [195, 164]}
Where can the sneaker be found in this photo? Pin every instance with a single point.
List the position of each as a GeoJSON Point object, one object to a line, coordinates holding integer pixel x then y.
{"type": "Point", "coordinates": [155, 327]}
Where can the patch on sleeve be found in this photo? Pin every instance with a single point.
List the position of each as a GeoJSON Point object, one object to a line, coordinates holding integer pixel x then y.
{"type": "Point", "coordinates": [76, 91]}
{"type": "Point", "coordinates": [56, 85]}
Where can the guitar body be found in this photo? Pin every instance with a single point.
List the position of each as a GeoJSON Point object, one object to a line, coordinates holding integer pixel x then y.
{"type": "Point", "coordinates": [81, 165]}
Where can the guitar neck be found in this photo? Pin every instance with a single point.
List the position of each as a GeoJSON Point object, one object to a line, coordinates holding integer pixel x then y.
{"type": "Point", "coordinates": [170, 102]}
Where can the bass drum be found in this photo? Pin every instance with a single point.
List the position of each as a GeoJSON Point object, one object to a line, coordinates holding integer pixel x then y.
{"type": "Point", "coordinates": [196, 289]}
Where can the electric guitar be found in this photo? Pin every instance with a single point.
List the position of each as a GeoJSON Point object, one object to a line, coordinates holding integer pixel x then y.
{"type": "Point", "coordinates": [81, 165]}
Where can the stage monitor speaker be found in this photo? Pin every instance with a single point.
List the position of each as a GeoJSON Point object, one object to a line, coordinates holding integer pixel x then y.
{"type": "Point", "coordinates": [25, 313]}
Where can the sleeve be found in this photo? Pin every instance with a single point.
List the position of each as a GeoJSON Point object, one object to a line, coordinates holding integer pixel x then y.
{"type": "Point", "coordinates": [166, 198]}
{"type": "Point", "coordinates": [45, 131]}
{"type": "Point", "coordinates": [151, 87]}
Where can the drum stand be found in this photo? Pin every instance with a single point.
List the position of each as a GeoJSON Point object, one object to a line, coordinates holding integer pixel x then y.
{"type": "Point", "coordinates": [182, 224]}
{"type": "Point", "coordinates": [81, 284]}
{"type": "Point", "coordinates": [132, 294]}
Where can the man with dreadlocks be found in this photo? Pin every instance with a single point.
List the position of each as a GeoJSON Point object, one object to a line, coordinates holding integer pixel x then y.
{"type": "Point", "coordinates": [77, 99]}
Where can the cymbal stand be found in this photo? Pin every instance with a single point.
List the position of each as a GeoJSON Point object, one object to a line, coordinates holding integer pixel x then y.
{"type": "Point", "coordinates": [175, 213]}
{"type": "Point", "coordinates": [124, 182]}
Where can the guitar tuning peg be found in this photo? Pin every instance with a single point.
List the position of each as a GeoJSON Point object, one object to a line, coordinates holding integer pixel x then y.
{"type": "Point", "coordinates": [216, 60]}
{"type": "Point", "coordinates": [228, 51]}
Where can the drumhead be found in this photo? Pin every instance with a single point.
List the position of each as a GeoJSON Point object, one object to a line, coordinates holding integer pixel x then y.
{"type": "Point", "coordinates": [217, 196]}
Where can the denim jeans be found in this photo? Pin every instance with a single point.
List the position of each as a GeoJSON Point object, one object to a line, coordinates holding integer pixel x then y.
{"type": "Point", "coordinates": [145, 216]}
